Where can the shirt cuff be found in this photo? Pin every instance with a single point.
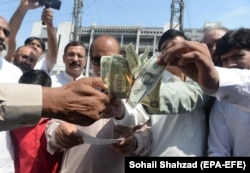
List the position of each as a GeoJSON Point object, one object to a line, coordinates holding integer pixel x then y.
{"type": "Point", "coordinates": [21, 105]}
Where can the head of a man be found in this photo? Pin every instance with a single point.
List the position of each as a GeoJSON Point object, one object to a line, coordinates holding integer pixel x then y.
{"type": "Point", "coordinates": [164, 41]}
{"type": "Point", "coordinates": [37, 44]}
{"type": "Point", "coordinates": [233, 49]}
{"type": "Point", "coordinates": [102, 45]}
{"type": "Point", "coordinates": [4, 34]}
{"type": "Point", "coordinates": [211, 35]}
{"type": "Point", "coordinates": [74, 58]}
{"type": "Point", "coordinates": [25, 58]}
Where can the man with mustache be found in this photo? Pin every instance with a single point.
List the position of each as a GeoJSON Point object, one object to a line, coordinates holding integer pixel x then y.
{"type": "Point", "coordinates": [75, 60]}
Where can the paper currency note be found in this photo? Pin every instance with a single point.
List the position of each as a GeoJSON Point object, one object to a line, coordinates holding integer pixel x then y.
{"type": "Point", "coordinates": [135, 62]}
{"type": "Point", "coordinates": [97, 141]}
{"type": "Point", "coordinates": [116, 74]}
{"type": "Point", "coordinates": [106, 62]}
{"type": "Point", "coordinates": [132, 58]}
{"type": "Point", "coordinates": [146, 81]}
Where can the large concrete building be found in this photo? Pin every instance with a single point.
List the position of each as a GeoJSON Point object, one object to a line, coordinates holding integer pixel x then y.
{"type": "Point", "coordinates": [141, 37]}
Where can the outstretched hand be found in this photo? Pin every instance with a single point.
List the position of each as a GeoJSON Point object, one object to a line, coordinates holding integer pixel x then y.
{"type": "Point", "coordinates": [78, 102]}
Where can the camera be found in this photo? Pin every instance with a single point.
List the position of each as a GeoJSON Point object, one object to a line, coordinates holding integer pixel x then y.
{"type": "Point", "coordinates": [56, 4]}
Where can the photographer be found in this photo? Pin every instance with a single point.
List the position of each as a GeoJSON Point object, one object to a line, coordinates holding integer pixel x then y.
{"type": "Point", "coordinates": [45, 63]}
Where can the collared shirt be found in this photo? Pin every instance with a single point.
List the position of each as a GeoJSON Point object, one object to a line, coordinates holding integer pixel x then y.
{"type": "Point", "coordinates": [177, 134]}
{"type": "Point", "coordinates": [63, 78]}
{"type": "Point", "coordinates": [31, 150]}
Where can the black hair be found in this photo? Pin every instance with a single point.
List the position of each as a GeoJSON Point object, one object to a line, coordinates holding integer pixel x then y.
{"type": "Point", "coordinates": [39, 77]}
{"type": "Point", "coordinates": [171, 33]}
{"type": "Point", "coordinates": [30, 39]}
{"type": "Point", "coordinates": [239, 39]}
{"type": "Point", "coordinates": [75, 43]}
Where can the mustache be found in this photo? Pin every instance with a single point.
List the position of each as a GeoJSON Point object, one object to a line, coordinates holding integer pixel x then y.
{"type": "Point", "coordinates": [74, 63]}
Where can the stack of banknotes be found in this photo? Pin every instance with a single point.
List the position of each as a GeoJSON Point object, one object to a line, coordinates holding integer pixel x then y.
{"type": "Point", "coordinates": [132, 76]}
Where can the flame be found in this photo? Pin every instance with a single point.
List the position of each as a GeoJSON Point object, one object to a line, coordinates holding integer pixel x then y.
{"type": "Point", "coordinates": [129, 79]}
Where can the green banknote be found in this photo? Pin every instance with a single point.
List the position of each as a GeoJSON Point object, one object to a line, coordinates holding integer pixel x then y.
{"type": "Point", "coordinates": [116, 74]}
{"type": "Point", "coordinates": [133, 77]}
{"type": "Point", "coordinates": [135, 62]}
{"type": "Point", "coordinates": [106, 62]}
{"type": "Point", "coordinates": [147, 79]}
{"type": "Point", "coordinates": [132, 57]}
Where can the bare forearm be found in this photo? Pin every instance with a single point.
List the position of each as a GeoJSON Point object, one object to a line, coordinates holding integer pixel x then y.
{"type": "Point", "coordinates": [51, 56]}
{"type": "Point", "coordinates": [14, 24]}
{"type": "Point", "coordinates": [52, 47]}
{"type": "Point", "coordinates": [50, 103]}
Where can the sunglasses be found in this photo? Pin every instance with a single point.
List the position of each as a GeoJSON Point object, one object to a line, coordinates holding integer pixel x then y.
{"type": "Point", "coordinates": [96, 60]}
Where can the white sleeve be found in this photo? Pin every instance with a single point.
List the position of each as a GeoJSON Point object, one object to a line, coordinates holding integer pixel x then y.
{"type": "Point", "coordinates": [42, 65]}
{"type": "Point", "coordinates": [133, 116]}
{"type": "Point", "coordinates": [219, 139]}
{"type": "Point", "coordinates": [51, 127]}
{"type": "Point", "coordinates": [234, 87]}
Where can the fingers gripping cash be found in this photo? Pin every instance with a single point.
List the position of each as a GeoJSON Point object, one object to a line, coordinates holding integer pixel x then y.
{"type": "Point", "coordinates": [131, 78]}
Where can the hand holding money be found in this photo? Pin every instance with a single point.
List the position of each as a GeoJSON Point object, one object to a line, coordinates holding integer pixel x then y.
{"type": "Point", "coordinates": [120, 72]}
{"type": "Point", "coordinates": [132, 77]}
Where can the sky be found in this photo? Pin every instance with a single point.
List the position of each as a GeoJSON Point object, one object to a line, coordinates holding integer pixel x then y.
{"type": "Point", "coordinates": [146, 13]}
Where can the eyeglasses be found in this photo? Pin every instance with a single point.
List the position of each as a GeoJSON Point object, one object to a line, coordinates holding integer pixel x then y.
{"type": "Point", "coordinates": [96, 60]}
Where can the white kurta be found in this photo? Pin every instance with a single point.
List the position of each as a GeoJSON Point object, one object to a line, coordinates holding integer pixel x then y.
{"type": "Point", "coordinates": [178, 134]}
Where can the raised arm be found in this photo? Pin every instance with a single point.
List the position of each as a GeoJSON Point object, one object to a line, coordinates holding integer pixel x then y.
{"type": "Point", "coordinates": [15, 23]}
{"type": "Point", "coordinates": [51, 55]}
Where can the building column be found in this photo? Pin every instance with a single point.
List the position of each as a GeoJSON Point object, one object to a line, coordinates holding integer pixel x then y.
{"type": "Point", "coordinates": [138, 40]}
{"type": "Point", "coordinates": [87, 69]}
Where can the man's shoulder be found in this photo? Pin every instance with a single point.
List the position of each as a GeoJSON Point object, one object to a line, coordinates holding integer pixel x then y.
{"type": "Point", "coordinates": [11, 67]}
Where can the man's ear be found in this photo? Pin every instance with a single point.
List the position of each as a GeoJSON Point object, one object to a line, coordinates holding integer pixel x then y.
{"type": "Point", "coordinates": [13, 56]}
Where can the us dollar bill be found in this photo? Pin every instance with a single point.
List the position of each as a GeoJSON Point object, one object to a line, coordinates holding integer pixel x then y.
{"type": "Point", "coordinates": [132, 57]}
{"type": "Point", "coordinates": [116, 74]}
{"type": "Point", "coordinates": [133, 77]}
{"type": "Point", "coordinates": [106, 62]}
{"type": "Point", "coordinates": [135, 62]}
{"type": "Point", "coordinates": [147, 79]}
